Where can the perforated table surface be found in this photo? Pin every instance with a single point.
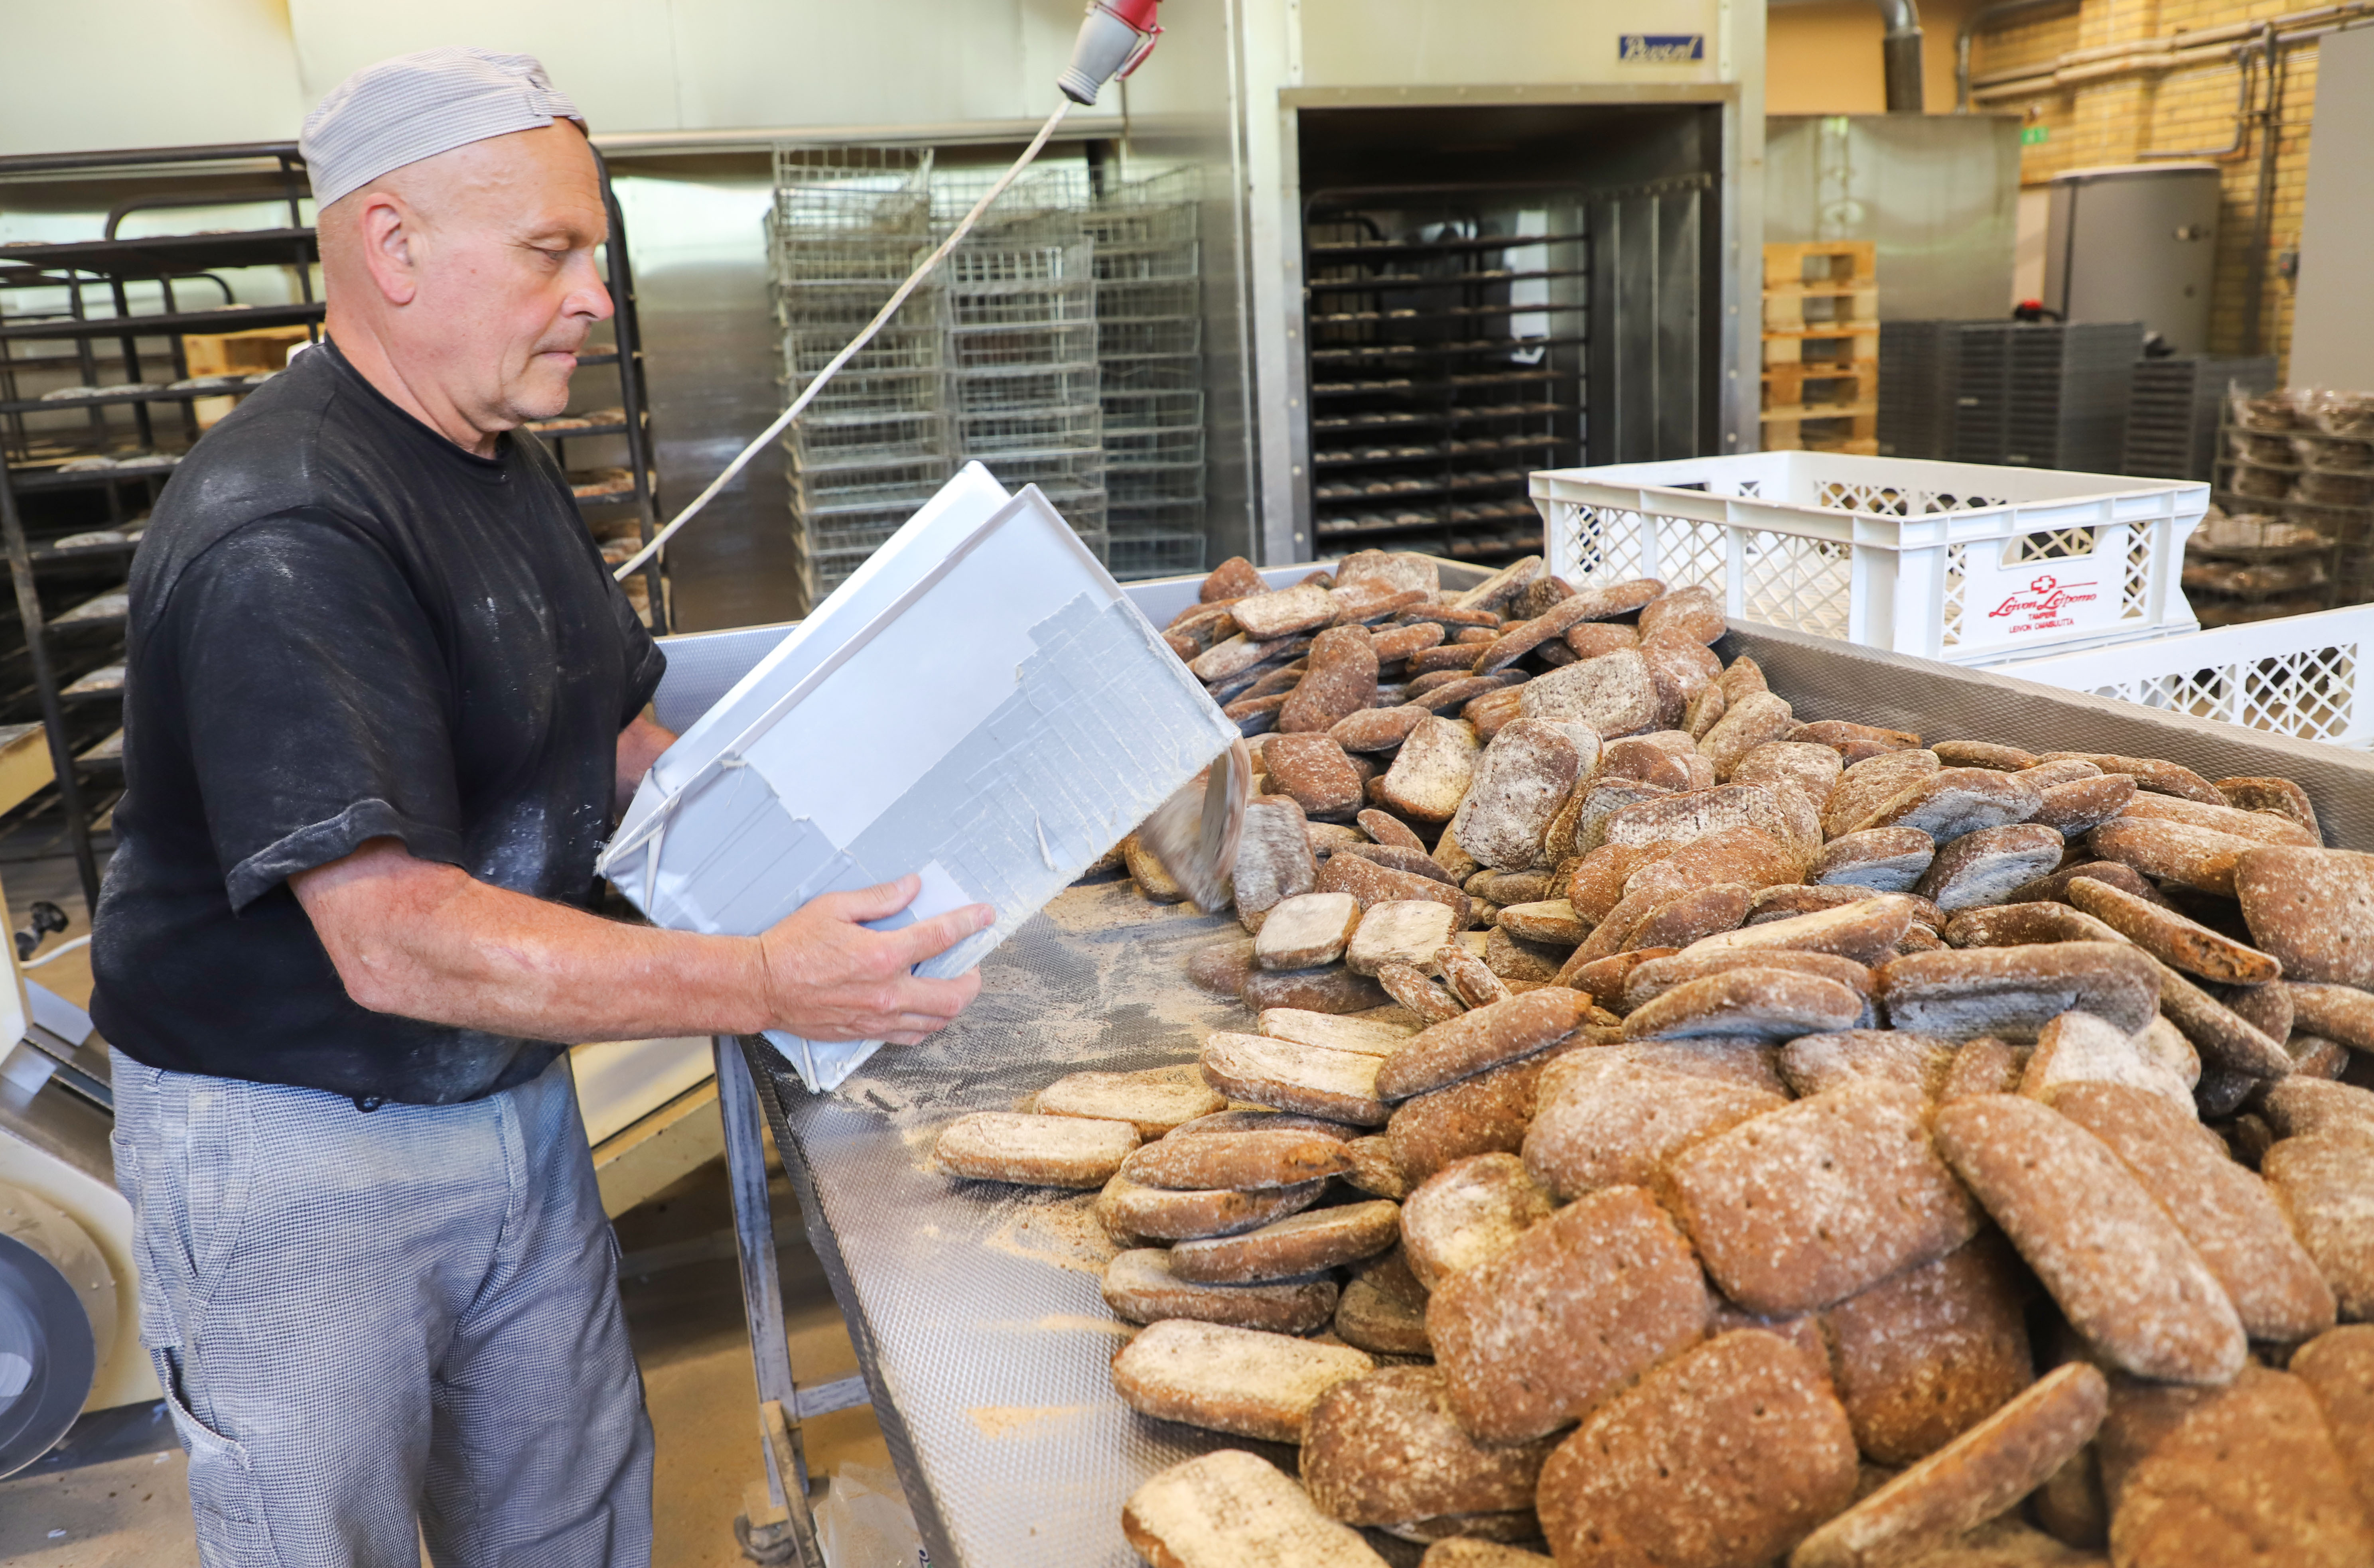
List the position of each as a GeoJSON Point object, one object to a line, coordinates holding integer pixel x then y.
{"type": "Point", "coordinates": [975, 1306]}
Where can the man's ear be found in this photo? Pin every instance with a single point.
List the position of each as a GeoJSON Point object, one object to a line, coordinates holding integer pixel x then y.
{"type": "Point", "coordinates": [392, 235]}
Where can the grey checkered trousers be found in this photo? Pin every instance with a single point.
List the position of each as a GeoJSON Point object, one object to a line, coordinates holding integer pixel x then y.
{"type": "Point", "coordinates": [369, 1324]}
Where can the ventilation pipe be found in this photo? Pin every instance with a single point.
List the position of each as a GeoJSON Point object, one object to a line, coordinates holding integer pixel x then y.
{"type": "Point", "coordinates": [1901, 56]}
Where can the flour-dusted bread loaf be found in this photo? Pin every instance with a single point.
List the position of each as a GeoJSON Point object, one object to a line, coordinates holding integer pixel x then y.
{"type": "Point", "coordinates": [1248, 1162]}
{"type": "Point", "coordinates": [1984, 1472]}
{"type": "Point", "coordinates": [1727, 1455]}
{"type": "Point", "coordinates": [1299, 1245]}
{"type": "Point", "coordinates": [2320, 1180]}
{"type": "Point", "coordinates": [1613, 694]}
{"type": "Point", "coordinates": [1488, 1038]}
{"type": "Point", "coordinates": [1330, 990]}
{"type": "Point", "coordinates": [1232, 1509]}
{"type": "Point", "coordinates": [1753, 721]}
{"type": "Point", "coordinates": [1395, 857]}
{"type": "Point", "coordinates": [1816, 1063]}
{"type": "Point", "coordinates": [2313, 909]}
{"type": "Point", "coordinates": [1580, 1305]}
{"type": "Point", "coordinates": [1340, 682]}
{"type": "Point", "coordinates": [1221, 968]}
{"type": "Point", "coordinates": [1307, 931]}
{"type": "Point", "coordinates": [1152, 1105]}
{"type": "Point", "coordinates": [1374, 1169]}
{"type": "Point", "coordinates": [1430, 773]}
{"type": "Point", "coordinates": [1984, 1066]}
{"type": "Point", "coordinates": [1867, 785]}
{"type": "Point", "coordinates": [1645, 981]}
{"type": "Point", "coordinates": [1952, 801]}
{"type": "Point", "coordinates": [2012, 992]}
{"type": "Point", "coordinates": [2298, 1107]}
{"type": "Point", "coordinates": [2280, 796]}
{"type": "Point", "coordinates": [1771, 1003]}
{"type": "Point", "coordinates": [1383, 1309]}
{"type": "Point", "coordinates": [1368, 1037]}
{"type": "Point", "coordinates": [2156, 774]}
{"type": "Point", "coordinates": [2224, 1210]}
{"type": "Point", "coordinates": [1384, 1448]}
{"type": "Point", "coordinates": [1332, 1084]}
{"type": "Point", "coordinates": [2175, 852]}
{"type": "Point", "coordinates": [2171, 938]}
{"type": "Point", "coordinates": [1821, 1200]}
{"type": "Point", "coordinates": [1605, 1120]}
{"type": "Point", "coordinates": [1235, 1380]}
{"type": "Point", "coordinates": [1405, 931]}
{"type": "Point", "coordinates": [1134, 1214]}
{"type": "Point", "coordinates": [1482, 1115]}
{"type": "Point", "coordinates": [1519, 783]}
{"type": "Point", "coordinates": [1550, 921]}
{"type": "Point", "coordinates": [1408, 985]}
{"type": "Point", "coordinates": [1924, 1355]}
{"type": "Point", "coordinates": [1865, 929]}
{"type": "Point", "coordinates": [2026, 925]}
{"type": "Point", "coordinates": [1035, 1151]}
{"type": "Point", "coordinates": [1885, 860]}
{"type": "Point", "coordinates": [2338, 1367]}
{"type": "Point", "coordinates": [2337, 1012]}
{"type": "Point", "coordinates": [1274, 859]}
{"type": "Point", "coordinates": [1141, 1286]}
{"type": "Point", "coordinates": [2077, 1048]}
{"type": "Point", "coordinates": [1371, 884]}
{"type": "Point", "coordinates": [2118, 1266]}
{"type": "Point", "coordinates": [1468, 1213]}
{"type": "Point", "coordinates": [2206, 1478]}
{"type": "Point", "coordinates": [1983, 867]}
{"type": "Point", "coordinates": [1469, 978]}
{"type": "Point", "coordinates": [2228, 1043]}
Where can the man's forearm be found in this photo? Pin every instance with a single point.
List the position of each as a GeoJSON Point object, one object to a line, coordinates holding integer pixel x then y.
{"type": "Point", "coordinates": [441, 946]}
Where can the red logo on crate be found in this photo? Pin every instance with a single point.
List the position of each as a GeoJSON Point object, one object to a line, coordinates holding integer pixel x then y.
{"type": "Point", "coordinates": [2045, 603]}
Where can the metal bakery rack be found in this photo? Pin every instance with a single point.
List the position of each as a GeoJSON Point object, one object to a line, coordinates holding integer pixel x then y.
{"type": "Point", "coordinates": [95, 417]}
{"type": "Point", "coordinates": [975, 1308]}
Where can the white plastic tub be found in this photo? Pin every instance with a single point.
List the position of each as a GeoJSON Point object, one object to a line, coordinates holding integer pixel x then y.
{"type": "Point", "coordinates": [1970, 564]}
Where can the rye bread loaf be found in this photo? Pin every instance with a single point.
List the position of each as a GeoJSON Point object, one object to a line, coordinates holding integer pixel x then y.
{"type": "Point", "coordinates": [2120, 1269]}
{"type": "Point", "coordinates": [1332, 989]}
{"type": "Point", "coordinates": [1680, 670]}
{"type": "Point", "coordinates": [1133, 1214]}
{"type": "Point", "coordinates": [1299, 1244]}
{"type": "Point", "coordinates": [1383, 1309]}
{"type": "Point", "coordinates": [1820, 1200]}
{"type": "Point", "coordinates": [1865, 929]}
{"type": "Point", "coordinates": [1650, 978]}
{"type": "Point", "coordinates": [2174, 851]}
{"type": "Point", "coordinates": [1921, 1357]}
{"type": "Point", "coordinates": [1983, 867]}
{"type": "Point", "coordinates": [2267, 827]}
{"type": "Point", "coordinates": [1613, 694]}
{"type": "Point", "coordinates": [1580, 1305]}
{"type": "Point", "coordinates": [2156, 774]}
{"type": "Point", "coordinates": [1752, 721]}
{"type": "Point", "coordinates": [2313, 909]}
{"type": "Point", "coordinates": [2011, 992]}
{"type": "Point", "coordinates": [1140, 1286]}
{"type": "Point", "coordinates": [1314, 772]}
{"type": "Point", "coordinates": [1467, 1213]}
{"type": "Point", "coordinates": [1395, 643]}
{"type": "Point", "coordinates": [2300, 1106]}
{"type": "Point", "coordinates": [1952, 801]}
{"type": "Point", "coordinates": [1694, 813]}
{"type": "Point", "coordinates": [1369, 1036]}
{"type": "Point", "coordinates": [1281, 612]}
{"type": "Point", "coordinates": [1226, 1380]}
{"type": "Point", "coordinates": [1274, 861]}
{"type": "Point", "coordinates": [1984, 1473]}
{"type": "Point", "coordinates": [1035, 1151]}
{"type": "Point", "coordinates": [1885, 860]}
{"type": "Point", "coordinates": [1644, 761]}
{"type": "Point", "coordinates": [1341, 681]}
{"type": "Point", "coordinates": [1395, 570]}
{"type": "Point", "coordinates": [1405, 930]}
{"type": "Point", "coordinates": [1307, 930]}
{"type": "Point", "coordinates": [1153, 1106]}
{"type": "Point", "coordinates": [1488, 1038]}
{"type": "Point", "coordinates": [2337, 1012]}
{"type": "Point", "coordinates": [1693, 611]}
{"type": "Point", "coordinates": [1221, 968]}
{"type": "Point", "coordinates": [1811, 767]}
{"type": "Point", "coordinates": [1374, 1170]}
{"type": "Point", "coordinates": [1312, 1080]}
{"type": "Point", "coordinates": [1847, 735]}
{"type": "Point", "coordinates": [1378, 729]}
{"type": "Point", "coordinates": [1248, 1162]}
{"type": "Point", "coordinates": [1371, 884]}
{"type": "Point", "coordinates": [1408, 986]}
{"type": "Point", "coordinates": [1728, 1455]}
{"type": "Point", "coordinates": [2278, 795]}
{"type": "Point", "coordinates": [1982, 753]}
{"type": "Point", "coordinates": [1431, 770]}
{"type": "Point", "coordinates": [1469, 978]}
{"type": "Point", "coordinates": [1482, 1115]}
{"type": "Point", "coordinates": [1518, 785]}
{"type": "Point", "coordinates": [2338, 1367]}
{"type": "Point", "coordinates": [1689, 918]}
{"type": "Point", "coordinates": [2026, 925]}
{"type": "Point", "coordinates": [2228, 1043]}
{"type": "Point", "coordinates": [2206, 1478]}
{"type": "Point", "coordinates": [1814, 1064]}
{"type": "Point", "coordinates": [1866, 786]}
{"type": "Point", "coordinates": [2227, 1212]}
{"type": "Point", "coordinates": [1517, 957]}
{"type": "Point", "coordinates": [2078, 806]}
{"type": "Point", "coordinates": [1553, 922]}
{"type": "Point", "coordinates": [2077, 1048]}
{"type": "Point", "coordinates": [1984, 1066]}
{"type": "Point", "coordinates": [1154, 880]}
{"type": "Point", "coordinates": [1746, 855]}
{"type": "Point", "coordinates": [2320, 1179]}
{"type": "Point", "coordinates": [1771, 1003]}
{"type": "Point", "coordinates": [1605, 1120]}
{"type": "Point", "coordinates": [1384, 1448]}
{"type": "Point", "coordinates": [1395, 857]}
{"type": "Point", "coordinates": [2171, 938]}
{"type": "Point", "coordinates": [1388, 829]}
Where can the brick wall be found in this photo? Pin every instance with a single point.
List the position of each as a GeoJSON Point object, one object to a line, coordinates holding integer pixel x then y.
{"type": "Point", "coordinates": [2112, 121]}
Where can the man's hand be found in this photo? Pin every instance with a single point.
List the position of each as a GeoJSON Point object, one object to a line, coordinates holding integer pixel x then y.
{"type": "Point", "coordinates": [829, 977]}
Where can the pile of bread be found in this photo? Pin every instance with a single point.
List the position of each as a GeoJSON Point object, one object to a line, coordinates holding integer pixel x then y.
{"type": "Point", "coordinates": [1671, 1133]}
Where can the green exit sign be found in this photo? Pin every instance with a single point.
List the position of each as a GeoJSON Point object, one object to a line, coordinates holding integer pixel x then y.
{"type": "Point", "coordinates": [2034, 136]}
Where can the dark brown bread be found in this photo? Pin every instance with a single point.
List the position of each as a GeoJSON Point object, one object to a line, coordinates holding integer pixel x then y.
{"type": "Point", "coordinates": [1300, 1244]}
{"type": "Point", "coordinates": [1431, 772]}
{"type": "Point", "coordinates": [1033, 1150]}
{"type": "Point", "coordinates": [1515, 956]}
{"type": "Point", "coordinates": [1519, 784]}
{"type": "Point", "coordinates": [1289, 1076]}
{"type": "Point", "coordinates": [1398, 856]}
{"type": "Point", "coordinates": [2026, 925]}
{"type": "Point", "coordinates": [1812, 769]}
{"type": "Point", "coordinates": [1333, 989]}
{"type": "Point", "coordinates": [1578, 1307]}
{"type": "Point", "coordinates": [2124, 878]}
{"type": "Point", "coordinates": [2267, 827]}
{"type": "Point", "coordinates": [1371, 885]}
{"type": "Point", "coordinates": [1152, 1105]}
{"type": "Point", "coordinates": [1232, 578]}
{"type": "Point", "coordinates": [1231, 1379]}
{"type": "Point", "coordinates": [2118, 1266]}
{"type": "Point", "coordinates": [2228, 1043]}
{"type": "Point", "coordinates": [2300, 1106]}
{"type": "Point", "coordinates": [1386, 828]}
{"type": "Point", "coordinates": [2209, 1478]}
{"type": "Point", "coordinates": [1867, 785]}
{"type": "Point", "coordinates": [1605, 1120]}
{"type": "Point", "coordinates": [1489, 1036]}
{"type": "Point", "coordinates": [1141, 1286]}
{"type": "Point", "coordinates": [1985, 1472]}
{"type": "Point", "coordinates": [1274, 861]}
{"type": "Point", "coordinates": [1223, 967]}
{"type": "Point", "coordinates": [2226, 1211]}
{"type": "Point", "coordinates": [2156, 774]}
{"type": "Point", "coordinates": [1313, 771]}
{"type": "Point", "coordinates": [1922, 1358]}
{"type": "Point", "coordinates": [2313, 909]}
{"type": "Point", "coordinates": [2338, 1367]}
{"type": "Point", "coordinates": [2174, 851]}
{"type": "Point", "coordinates": [1481, 1114]}
{"type": "Point", "coordinates": [1374, 1170]}
{"type": "Point", "coordinates": [1245, 1161]}
{"type": "Point", "coordinates": [1778, 1005]}
{"type": "Point", "coordinates": [1134, 1215]}
{"type": "Point", "coordinates": [1727, 1456]}
{"type": "Point", "coordinates": [1408, 985]}
{"type": "Point", "coordinates": [2081, 805]}
{"type": "Point", "coordinates": [1982, 753]}
{"type": "Point", "coordinates": [1467, 1213]}
{"type": "Point", "coordinates": [1885, 860]}
{"type": "Point", "coordinates": [2338, 1012]}
{"type": "Point", "coordinates": [1983, 867]}
{"type": "Point", "coordinates": [1984, 1066]}
{"type": "Point", "coordinates": [1821, 1200]}
{"type": "Point", "coordinates": [1384, 1448]}
{"type": "Point", "coordinates": [1952, 801]}
{"type": "Point", "coordinates": [2320, 1182]}
{"type": "Point", "coordinates": [1378, 729]}
{"type": "Point", "coordinates": [2172, 939]}
{"type": "Point", "coordinates": [1863, 928]}
{"type": "Point", "coordinates": [1814, 1064]}
{"type": "Point", "coordinates": [1652, 978]}
{"type": "Point", "coordinates": [1841, 732]}
{"type": "Point", "coordinates": [1469, 978]}
{"type": "Point", "coordinates": [2279, 795]}
{"type": "Point", "coordinates": [1746, 855]}
{"type": "Point", "coordinates": [2011, 992]}
{"type": "Point", "coordinates": [1692, 612]}
{"type": "Point", "coordinates": [1383, 1309]}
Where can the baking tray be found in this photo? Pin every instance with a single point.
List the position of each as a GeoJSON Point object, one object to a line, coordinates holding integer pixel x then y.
{"type": "Point", "coordinates": [975, 1306]}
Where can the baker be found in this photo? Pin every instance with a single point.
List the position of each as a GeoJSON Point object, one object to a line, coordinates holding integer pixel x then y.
{"type": "Point", "coordinates": [383, 706]}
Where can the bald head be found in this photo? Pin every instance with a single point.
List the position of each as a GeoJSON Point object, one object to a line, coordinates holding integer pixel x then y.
{"type": "Point", "coordinates": [463, 284]}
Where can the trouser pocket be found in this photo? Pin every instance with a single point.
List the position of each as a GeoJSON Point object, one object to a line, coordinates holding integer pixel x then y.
{"type": "Point", "coordinates": [224, 1500]}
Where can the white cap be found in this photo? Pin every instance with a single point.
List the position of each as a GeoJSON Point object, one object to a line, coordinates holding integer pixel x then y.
{"type": "Point", "coordinates": [417, 106]}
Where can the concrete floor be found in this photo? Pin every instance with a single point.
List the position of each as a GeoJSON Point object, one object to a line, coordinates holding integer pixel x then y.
{"type": "Point", "coordinates": [128, 1508]}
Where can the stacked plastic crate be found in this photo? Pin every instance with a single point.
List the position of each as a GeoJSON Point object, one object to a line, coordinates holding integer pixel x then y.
{"type": "Point", "coordinates": [1150, 349]}
{"type": "Point", "coordinates": [1022, 362]}
{"type": "Point", "coordinates": [847, 227]}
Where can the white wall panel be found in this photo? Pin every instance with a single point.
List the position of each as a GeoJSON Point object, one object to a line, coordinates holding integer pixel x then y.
{"type": "Point", "coordinates": [1357, 43]}
{"type": "Point", "coordinates": [100, 74]}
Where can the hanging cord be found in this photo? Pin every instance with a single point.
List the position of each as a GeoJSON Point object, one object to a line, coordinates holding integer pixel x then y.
{"type": "Point", "coordinates": [808, 394]}
{"type": "Point", "coordinates": [58, 952]}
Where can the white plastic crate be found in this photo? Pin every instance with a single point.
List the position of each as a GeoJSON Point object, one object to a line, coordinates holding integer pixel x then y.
{"type": "Point", "coordinates": [2301, 676]}
{"type": "Point", "coordinates": [1962, 562]}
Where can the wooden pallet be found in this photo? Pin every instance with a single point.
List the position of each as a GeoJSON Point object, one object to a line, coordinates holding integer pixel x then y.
{"type": "Point", "coordinates": [1833, 261]}
{"type": "Point", "coordinates": [1833, 309]}
{"type": "Point", "coordinates": [1855, 381]}
{"type": "Point", "coordinates": [1821, 428]}
{"type": "Point", "coordinates": [1853, 343]}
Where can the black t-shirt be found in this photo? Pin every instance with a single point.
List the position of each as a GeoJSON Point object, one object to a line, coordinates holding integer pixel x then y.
{"type": "Point", "coordinates": [344, 628]}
